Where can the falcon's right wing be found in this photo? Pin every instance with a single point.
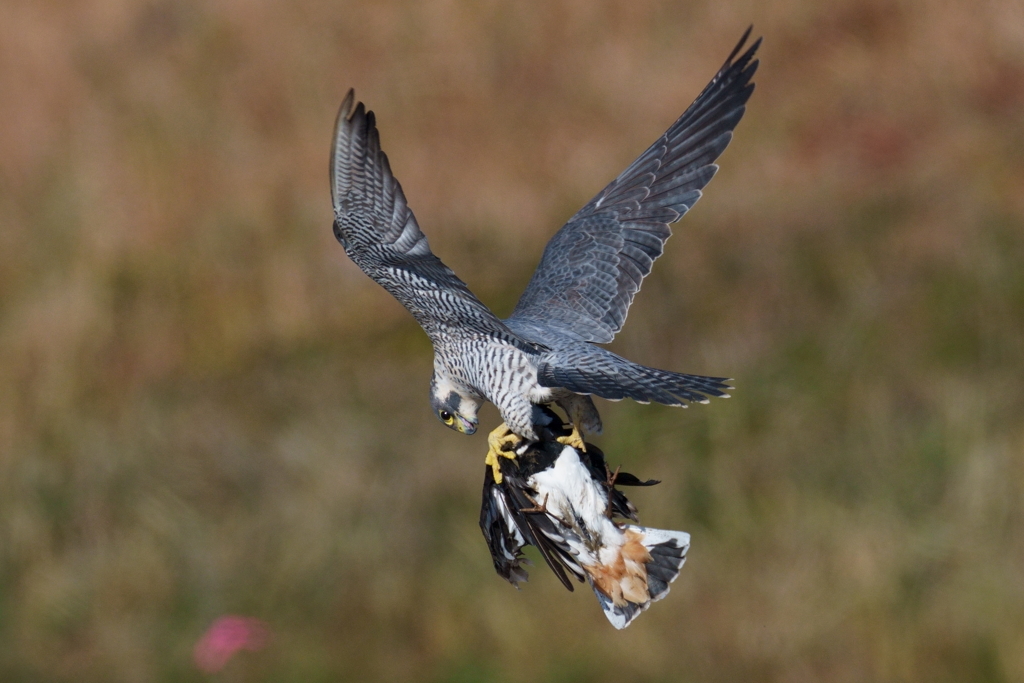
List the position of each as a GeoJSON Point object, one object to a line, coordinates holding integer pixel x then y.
{"type": "Point", "coordinates": [379, 232]}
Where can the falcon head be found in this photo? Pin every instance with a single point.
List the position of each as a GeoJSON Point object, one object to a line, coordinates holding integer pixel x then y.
{"type": "Point", "coordinates": [453, 406]}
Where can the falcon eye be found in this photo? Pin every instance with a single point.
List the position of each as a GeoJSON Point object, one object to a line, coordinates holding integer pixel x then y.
{"type": "Point", "coordinates": [446, 416]}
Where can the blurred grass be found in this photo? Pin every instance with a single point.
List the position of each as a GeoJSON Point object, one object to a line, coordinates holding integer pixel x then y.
{"type": "Point", "coordinates": [205, 408]}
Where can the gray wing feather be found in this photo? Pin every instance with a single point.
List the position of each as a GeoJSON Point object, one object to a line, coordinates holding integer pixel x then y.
{"type": "Point", "coordinates": [593, 267]}
{"type": "Point", "coordinates": [379, 232]}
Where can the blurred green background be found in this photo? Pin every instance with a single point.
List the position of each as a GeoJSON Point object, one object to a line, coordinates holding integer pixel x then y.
{"type": "Point", "coordinates": [205, 408]}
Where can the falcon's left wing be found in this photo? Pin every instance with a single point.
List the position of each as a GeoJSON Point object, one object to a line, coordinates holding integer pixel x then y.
{"type": "Point", "coordinates": [592, 268]}
{"type": "Point", "coordinates": [374, 223]}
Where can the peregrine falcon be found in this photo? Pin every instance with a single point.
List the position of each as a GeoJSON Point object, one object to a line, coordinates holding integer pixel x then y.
{"type": "Point", "coordinates": [563, 502]}
{"type": "Point", "coordinates": [546, 351]}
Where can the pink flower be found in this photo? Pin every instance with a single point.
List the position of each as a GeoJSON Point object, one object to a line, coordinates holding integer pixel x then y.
{"type": "Point", "coordinates": [226, 636]}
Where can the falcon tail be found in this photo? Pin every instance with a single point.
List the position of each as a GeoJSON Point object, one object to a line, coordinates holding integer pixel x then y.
{"type": "Point", "coordinates": [597, 371]}
{"type": "Point", "coordinates": [646, 564]}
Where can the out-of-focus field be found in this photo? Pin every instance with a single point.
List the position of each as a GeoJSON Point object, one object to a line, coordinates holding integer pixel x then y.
{"type": "Point", "coordinates": [206, 409]}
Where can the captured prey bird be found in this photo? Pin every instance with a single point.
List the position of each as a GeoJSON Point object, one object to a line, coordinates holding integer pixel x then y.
{"type": "Point", "coordinates": [564, 502]}
{"type": "Point", "coordinates": [546, 351]}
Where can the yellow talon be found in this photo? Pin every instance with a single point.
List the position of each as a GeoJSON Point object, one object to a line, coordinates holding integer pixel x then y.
{"type": "Point", "coordinates": [575, 439]}
{"type": "Point", "coordinates": [502, 442]}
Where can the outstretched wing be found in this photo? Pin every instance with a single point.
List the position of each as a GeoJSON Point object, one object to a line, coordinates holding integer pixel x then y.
{"type": "Point", "coordinates": [374, 223]}
{"type": "Point", "coordinates": [592, 268]}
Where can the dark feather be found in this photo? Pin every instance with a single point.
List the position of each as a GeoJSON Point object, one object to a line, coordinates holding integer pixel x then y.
{"type": "Point", "coordinates": [592, 370]}
{"type": "Point", "coordinates": [535, 527]}
{"type": "Point", "coordinates": [379, 232]}
{"type": "Point", "coordinates": [593, 267]}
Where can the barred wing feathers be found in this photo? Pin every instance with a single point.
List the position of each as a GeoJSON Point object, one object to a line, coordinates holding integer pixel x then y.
{"type": "Point", "coordinates": [593, 267]}
{"type": "Point", "coordinates": [379, 232]}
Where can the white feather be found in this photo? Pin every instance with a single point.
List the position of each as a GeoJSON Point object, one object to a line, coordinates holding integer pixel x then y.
{"type": "Point", "coordinates": [569, 492]}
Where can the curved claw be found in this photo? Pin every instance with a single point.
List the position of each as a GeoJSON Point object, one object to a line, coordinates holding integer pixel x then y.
{"type": "Point", "coordinates": [575, 439]}
{"type": "Point", "coordinates": [501, 442]}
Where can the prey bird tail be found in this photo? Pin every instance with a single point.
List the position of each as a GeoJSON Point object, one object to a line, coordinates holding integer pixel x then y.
{"type": "Point", "coordinates": [565, 502]}
{"type": "Point", "coordinates": [648, 562]}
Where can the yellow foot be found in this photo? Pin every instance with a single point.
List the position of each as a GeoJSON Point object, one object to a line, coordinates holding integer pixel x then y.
{"type": "Point", "coordinates": [575, 439]}
{"type": "Point", "coordinates": [502, 443]}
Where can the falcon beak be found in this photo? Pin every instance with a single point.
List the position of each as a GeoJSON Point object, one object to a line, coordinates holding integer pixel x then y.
{"type": "Point", "coordinates": [465, 426]}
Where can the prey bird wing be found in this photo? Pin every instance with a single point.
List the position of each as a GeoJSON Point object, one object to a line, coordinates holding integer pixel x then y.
{"type": "Point", "coordinates": [379, 232]}
{"type": "Point", "coordinates": [593, 267]}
